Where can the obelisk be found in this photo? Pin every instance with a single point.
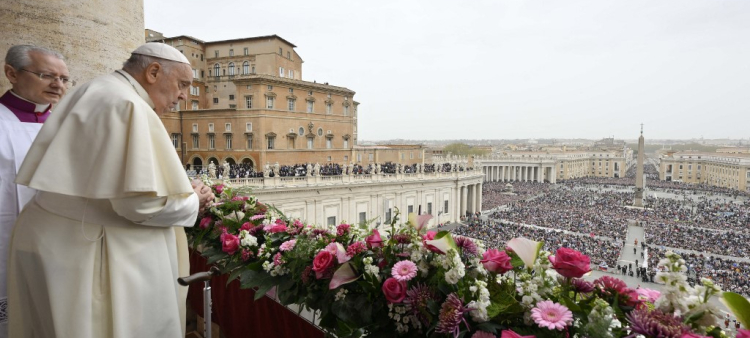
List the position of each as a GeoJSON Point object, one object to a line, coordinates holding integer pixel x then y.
{"type": "Point", "coordinates": [638, 199]}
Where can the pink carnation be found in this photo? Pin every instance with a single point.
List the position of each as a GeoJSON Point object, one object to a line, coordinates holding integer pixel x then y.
{"type": "Point", "coordinates": [246, 226]}
{"type": "Point", "coordinates": [342, 229]}
{"type": "Point", "coordinates": [277, 259]}
{"type": "Point", "coordinates": [257, 217]}
{"type": "Point", "coordinates": [246, 254]}
{"type": "Point", "coordinates": [355, 248]}
{"type": "Point", "coordinates": [277, 228]}
{"type": "Point", "coordinates": [404, 270]}
{"type": "Point", "coordinates": [288, 245]}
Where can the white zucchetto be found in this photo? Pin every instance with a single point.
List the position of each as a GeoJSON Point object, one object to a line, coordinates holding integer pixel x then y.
{"type": "Point", "coordinates": [161, 51]}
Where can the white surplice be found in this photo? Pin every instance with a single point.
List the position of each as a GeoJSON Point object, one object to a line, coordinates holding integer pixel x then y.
{"type": "Point", "coordinates": [97, 252]}
{"type": "Point", "coordinates": [15, 140]}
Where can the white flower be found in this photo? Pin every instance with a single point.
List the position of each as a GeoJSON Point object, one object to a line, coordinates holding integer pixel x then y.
{"type": "Point", "coordinates": [248, 240]}
{"type": "Point", "coordinates": [367, 260]}
{"type": "Point", "coordinates": [341, 294]}
{"type": "Point", "coordinates": [235, 216]}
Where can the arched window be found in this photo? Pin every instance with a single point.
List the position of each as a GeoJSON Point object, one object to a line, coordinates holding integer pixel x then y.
{"type": "Point", "coordinates": [245, 68]}
{"type": "Point", "coordinates": [231, 68]}
{"type": "Point", "coordinates": [216, 69]}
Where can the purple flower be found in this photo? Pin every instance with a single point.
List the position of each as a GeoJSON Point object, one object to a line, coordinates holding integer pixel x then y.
{"type": "Point", "coordinates": [655, 323]}
{"type": "Point", "coordinates": [582, 286]}
{"type": "Point", "coordinates": [466, 244]}
{"type": "Point", "coordinates": [451, 315]}
{"type": "Point", "coordinates": [417, 300]}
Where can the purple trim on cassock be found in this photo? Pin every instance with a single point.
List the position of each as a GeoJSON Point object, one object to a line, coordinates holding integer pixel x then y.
{"type": "Point", "coordinates": [23, 110]}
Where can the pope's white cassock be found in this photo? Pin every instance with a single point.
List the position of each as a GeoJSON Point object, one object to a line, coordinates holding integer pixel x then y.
{"type": "Point", "coordinates": [97, 251]}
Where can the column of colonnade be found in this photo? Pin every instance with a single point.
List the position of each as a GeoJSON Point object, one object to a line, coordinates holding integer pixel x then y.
{"type": "Point", "coordinates": [519, 173]}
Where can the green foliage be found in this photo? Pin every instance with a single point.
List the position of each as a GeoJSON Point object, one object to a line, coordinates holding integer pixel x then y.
{"type": "Point", "coordinates": [462, 149]}
{"type": "Point", "coordinates": [739, 306]}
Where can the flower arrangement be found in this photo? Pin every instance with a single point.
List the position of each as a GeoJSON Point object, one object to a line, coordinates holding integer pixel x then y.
{"type": "Point", "coordinates": [408, 281]}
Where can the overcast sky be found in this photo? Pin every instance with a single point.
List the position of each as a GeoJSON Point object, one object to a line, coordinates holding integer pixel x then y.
{"type": "Point", "coordinates": [508, 69]}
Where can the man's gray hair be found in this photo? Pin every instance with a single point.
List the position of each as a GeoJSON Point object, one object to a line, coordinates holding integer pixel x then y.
{"type": "Point", "coordinates": [138, 63]}
{"type": "Point", "coordinates": [18, 56]}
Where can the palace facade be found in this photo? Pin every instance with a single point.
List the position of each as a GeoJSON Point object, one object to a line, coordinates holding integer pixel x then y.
{"type": "Point", "coordinates": [720, 169]}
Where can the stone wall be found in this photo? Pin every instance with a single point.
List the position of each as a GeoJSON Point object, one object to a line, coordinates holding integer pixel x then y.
{"type": "Point", "coordinates": [95, 37]}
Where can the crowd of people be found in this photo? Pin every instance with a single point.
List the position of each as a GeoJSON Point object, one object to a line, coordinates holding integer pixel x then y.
{"type": "Point", "coordinates": [495, 194]}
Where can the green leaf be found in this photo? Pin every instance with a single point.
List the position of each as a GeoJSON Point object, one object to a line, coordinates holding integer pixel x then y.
{"type": "Point", "coordinates": [738, 305]}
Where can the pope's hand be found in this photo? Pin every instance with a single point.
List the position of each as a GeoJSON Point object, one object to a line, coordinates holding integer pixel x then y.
{"type": "Point", "coordinates": [205, 196]}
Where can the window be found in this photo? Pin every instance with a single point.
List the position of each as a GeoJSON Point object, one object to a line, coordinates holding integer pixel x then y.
{"type": "Point", "coordinates": [245, 67]}
{"type": "Point", "coordinates": [346, 110]}
{"type": "Point", "coordinates": [231, 52]}
{"type": "Point", "coordinates": [228, 126]}
{"type": "Point", "coordinates": [346, 143]}
{"type": "Point", "coordinates": [328, 108]}
{"type": "Point", "coordinates": [291, 90]}
{"type": "Point", "coordinates": [359, 157]}
{"type": "Point", "coordinates": [310, 106]}
{"type": "Point", "coordinates": [429, 208]}
{"type": "Point", "coordinates": [309, 143]}
{"type": "Point", "coordinates": [331, 220]}
{"type": "Point", "coordinates": [388, 215]}
{"type": "Point", "coordinates": [346, 158]}
{"type": "Point", "coordinates": [301, 131]}
{"type": "Point", "coordinates": [328, 143]}
{"type": "Point", "coordinates": [269, 102]}
{"type": "Point", "coordinates": [195, 105]}
{"type": "Point", "coordinates": [249, 142]}
{"type": "Point", "coordinates": [290, 74]}
{"type": "Point", "coordinates": [246, 51]}
{"type": "Point", "coordinates": [409, 209]}
{"type": "Point", "coordinates": [231, 69]}
{"type": "Point", "coordinates": [195, 73]}
{"type": "Point", "coordinates": [269, 87]}
{"type": "Point", "coordinates": [280, 52]}
{"type": "Point", "coordinates": [445, 206]}
{"type": "Point", "coordinates": [195, 91]}
{"type": "Point", "coordinates": [195, 127]}
{"type": "Point", "coordinates": [370, 157]}
{"type": "Point", "coordinates": [288, 55]}
{"type": "Point", "coordinates": [216, 70]}
{"type": "Point", "coordinates": [281, 71]}
{"type": "Point", "coordinates": [248, 101]}
{"type": "Point", "coordinates": [411, 155]}
{"type": "Point", "coordinates": [309, 92]}
{"type": "Point", "coordinates": [329, 159]}
{"type": "Point", "coordinates": [196, 142]}
{"type": "Point", "coordinates": [362, 217]}
{"type": "Point", "coordinates": [271, 141]}
{"type": "Point", "coordinates": [211, 142]}
{"type": "Point", "coordinates": [290, 103]}
{"type": "Point", "coordinates": [216, 53]}
{"type": "Point", "coordinates": [176, 140]}
{"type": "Point", "coordinates": [216, 100]}
{"type": "Point", "coordinates": [320, 131]}
{"type": "Point", "coordinates": [249, 126]}
{"type": "Point", "coordinates": [231, 97]}
{"type": "Point", "coordinates": [210, 127]}
{"type": "Point", "coordinates": [252, 69]}
{"type": "Point", "coordinates": [229, 140]}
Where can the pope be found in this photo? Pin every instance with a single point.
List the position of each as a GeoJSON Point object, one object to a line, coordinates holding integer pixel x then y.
{"type": "Point", "coordinates": [97, 251]}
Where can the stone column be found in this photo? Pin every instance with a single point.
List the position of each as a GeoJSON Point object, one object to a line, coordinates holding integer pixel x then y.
{"type": "Point", "coordinates": [464, 206]}
{"type": "Point", "coordinates": [479, 197]}
{"type": "Point", "coordinates": [91, 43]}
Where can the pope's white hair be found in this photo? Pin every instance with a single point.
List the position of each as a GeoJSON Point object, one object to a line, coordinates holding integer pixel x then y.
{"type": "Point", "coordinates": [18, 55]}
{"type": "Point", "coordinates": [138, 63]}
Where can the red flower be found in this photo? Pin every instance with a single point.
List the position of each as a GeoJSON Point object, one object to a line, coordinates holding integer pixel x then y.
{"type": "Point", "coordinates": [277, 228]}
{"type": "Point", "coordinates": [742, 333]}
{"type": "Point", "coordinates": [570, 263]}
{"type": "Point", "coordinates": [205, 222]}
{"type": "Point", "coordinates": [219, 188]}
{"type": "Point", "coordinates": [430, 235]}
{"type": "Point", "coordinates": [374, 240]}
{"type": "Point", "coordinates": [229, 243]}
{"type": "Point", "coordinates": [322, 262]}
{"type": "Point", "coordinates": [394, 290]}
{"type": "Point", "coordinates": [246, 226]}
{"type": "Point", "coordinates": [496, 261]}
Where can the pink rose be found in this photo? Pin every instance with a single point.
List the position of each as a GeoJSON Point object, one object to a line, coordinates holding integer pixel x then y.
{"type": "Point", "coordinates": [742, 333]}
{"type": "Point", "coordinates": [229, 243]}
{"type": "Point", "coordinates": [648, 294]}
{"type": "Point", "coordinates": [430, 235]}
{"type": "Point", "coordinates": [496, 261]}
{"type": "Point", "coordinates": [374, 240]}
{"type": "Point", "coordinates": [394, 290]}
{"type": "Point", "coordinates": [511, 334]}
{"type": "Point", "coordinates": [323, 260]}
{"type": "Point", "coordinates": [219, 188]}
{"type": "Point", "coordinates": [570, 263]}
{"type": "Point", "coordinates": [277, 228]}
{"type": "Point", "coordinates": [205, 222]}
{"type": "Point", "coordinates": [693, 335]}
{"type": "Point", "coordinates": [246, 226]}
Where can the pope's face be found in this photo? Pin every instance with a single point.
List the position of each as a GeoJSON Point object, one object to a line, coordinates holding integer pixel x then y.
{"type": "Point", "coordinates": [171, 87]}
{"type": "Point", "coordinates": [30, 87]}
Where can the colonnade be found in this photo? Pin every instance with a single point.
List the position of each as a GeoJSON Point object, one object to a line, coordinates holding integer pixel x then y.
{"type": "Point", "coordinates": [470, 199]}
{"type": "Point", "coordinates": [519, 172]}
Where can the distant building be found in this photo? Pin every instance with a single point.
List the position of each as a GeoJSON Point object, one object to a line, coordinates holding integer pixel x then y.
{"type": "Point", "coordinates": [249, 104]}
{"type": "Point", "coordinates": [720, 169]}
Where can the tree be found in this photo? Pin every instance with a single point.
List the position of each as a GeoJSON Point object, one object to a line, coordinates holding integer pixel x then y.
{"type": "Point", "coordinates": [462, 149]}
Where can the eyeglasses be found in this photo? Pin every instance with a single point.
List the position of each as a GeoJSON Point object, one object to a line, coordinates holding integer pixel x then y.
{"type": "Point", "coordinates": [51, 78]}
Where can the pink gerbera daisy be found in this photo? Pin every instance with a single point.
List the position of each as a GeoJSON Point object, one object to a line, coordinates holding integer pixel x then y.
{"type": "Point", "coordinates": [551, 315]}
{"type": "Point", "coordinates": [288, 245]}
{"type": "Point", "coordinates": [404, 270]}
